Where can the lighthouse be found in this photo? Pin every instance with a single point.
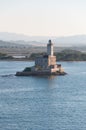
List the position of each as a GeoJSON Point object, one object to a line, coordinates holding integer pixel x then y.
{"type": "Point", "coordinates": [44, 65]}
{"type": "Point", "coordinates": [50, 48]}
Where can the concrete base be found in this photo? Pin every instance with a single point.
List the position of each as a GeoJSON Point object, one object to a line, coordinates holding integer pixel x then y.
{"type": "Point", "coordinates": [39, 73]}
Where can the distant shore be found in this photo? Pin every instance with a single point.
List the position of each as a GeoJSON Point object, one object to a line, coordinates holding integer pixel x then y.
{"type": "Point", "coordinates": [65, 55]}
{"type": "Point", "coordinates": [33, 60]}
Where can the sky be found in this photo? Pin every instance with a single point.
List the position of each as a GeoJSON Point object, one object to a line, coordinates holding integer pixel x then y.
{"type": "Point", "coordinates": [43, 17]}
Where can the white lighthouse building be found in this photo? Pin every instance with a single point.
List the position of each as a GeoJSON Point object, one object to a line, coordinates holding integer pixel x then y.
{"type": "Point", "coordinates": [47, 62]}
{"type": "Point", "coordinates": [50, 48]}
{"type": "Point", "coordinates": [44, 65]}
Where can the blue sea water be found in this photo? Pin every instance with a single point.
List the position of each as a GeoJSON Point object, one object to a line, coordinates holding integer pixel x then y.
{"type": "Point", "coordinates": [42, 103]}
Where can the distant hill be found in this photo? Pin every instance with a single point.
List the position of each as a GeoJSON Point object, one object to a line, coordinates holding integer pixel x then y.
{"type": "Point", "coordinates": [18, 48]}
{"type": "Point", "coordinates": [21, 37]}
{"type": "Point", "coordinates": [65, 55]}
{"type": "Point", "coordinates": [13, 44]}
{"type": "Point", "coordinates": [77, 40]}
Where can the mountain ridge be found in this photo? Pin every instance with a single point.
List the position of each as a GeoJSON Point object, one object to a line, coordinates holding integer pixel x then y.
{"type": "Point", "coordinates": [42, 40]}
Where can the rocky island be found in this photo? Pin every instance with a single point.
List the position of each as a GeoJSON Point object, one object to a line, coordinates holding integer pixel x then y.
{"type": "Point", "coordinates": [44, 65]}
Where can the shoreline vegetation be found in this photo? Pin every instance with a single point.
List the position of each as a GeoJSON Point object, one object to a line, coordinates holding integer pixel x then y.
{"type": "Point", "coordinates": [65, 55]}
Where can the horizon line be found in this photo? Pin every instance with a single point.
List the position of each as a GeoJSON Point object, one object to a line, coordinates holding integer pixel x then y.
{"type": "Point", "coordinates": [71, 35]}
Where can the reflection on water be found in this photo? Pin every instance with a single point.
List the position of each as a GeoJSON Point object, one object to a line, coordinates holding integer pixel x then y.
{"type": "Point", "coordinates": [43, 103]}
{"type": "Point", "coordinates": [51, 77]}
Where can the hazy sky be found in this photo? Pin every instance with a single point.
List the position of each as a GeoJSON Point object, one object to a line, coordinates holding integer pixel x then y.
{"type": "Point", "coordinates": [43, 17]}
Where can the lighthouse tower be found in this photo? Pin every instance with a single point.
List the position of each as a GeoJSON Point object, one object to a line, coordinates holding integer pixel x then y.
{"type": "Point", "coordinates": [50, 48]}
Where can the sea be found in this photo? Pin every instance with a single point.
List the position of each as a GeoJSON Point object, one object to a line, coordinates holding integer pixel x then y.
{"type": "Point", "coordinates": [42, 103]}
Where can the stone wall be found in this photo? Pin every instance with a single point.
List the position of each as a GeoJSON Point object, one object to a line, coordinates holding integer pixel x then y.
{"type": "Point", "coordinates": [51, 60]}
{"type": "Point", "coordinates": [42, 62]}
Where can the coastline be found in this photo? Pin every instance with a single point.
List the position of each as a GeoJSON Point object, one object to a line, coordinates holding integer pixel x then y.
{"type": "Point", "coordinates": [34, 60]}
